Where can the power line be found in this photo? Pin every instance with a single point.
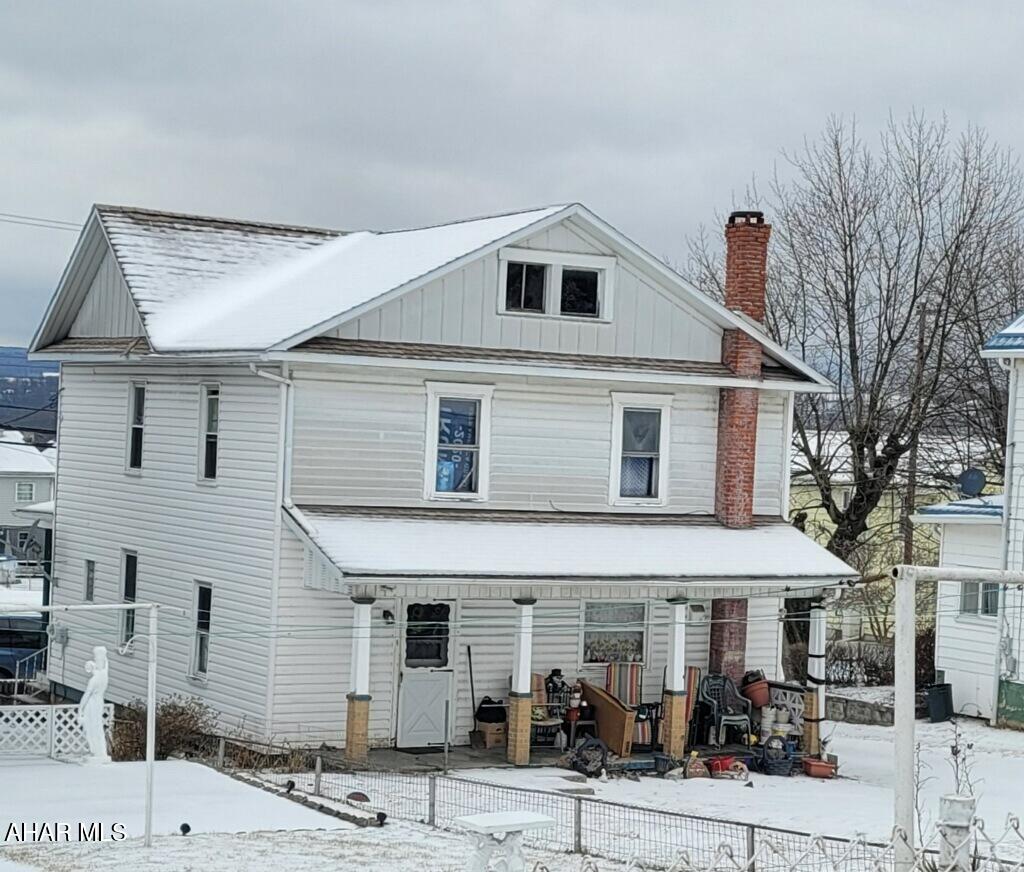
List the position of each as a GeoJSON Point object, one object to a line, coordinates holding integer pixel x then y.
{"type": "Point", "coordinates": [34, 221]}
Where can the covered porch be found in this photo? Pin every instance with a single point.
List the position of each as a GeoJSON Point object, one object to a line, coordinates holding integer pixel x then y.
{"type": "Point", "coordinates": [484, 606]}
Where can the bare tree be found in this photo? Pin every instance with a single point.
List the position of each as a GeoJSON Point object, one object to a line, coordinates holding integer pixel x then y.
{"type": "Point", "coordinates": [883, 262]}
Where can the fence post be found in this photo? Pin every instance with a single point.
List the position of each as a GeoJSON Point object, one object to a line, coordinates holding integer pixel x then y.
{"type": "Point", "coordinates": [432, 800]}
{"type": "Point", "coordinates": [221, 747]}
{"type": "Point", "coordinates": [51, 716]}
{"type": "Point", "coordinates": [577, 826]}
{"type": "Point", "coordinates": [317, 772]}
{"type": "Point", "coordinates": [751, 848]}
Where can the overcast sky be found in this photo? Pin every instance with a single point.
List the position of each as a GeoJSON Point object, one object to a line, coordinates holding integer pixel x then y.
{"type": "Point", "coordinates": [393, 114]}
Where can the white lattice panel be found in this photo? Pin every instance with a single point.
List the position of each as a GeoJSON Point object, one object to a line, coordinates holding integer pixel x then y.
{"type": "Point", "coordinates": [45, 730]}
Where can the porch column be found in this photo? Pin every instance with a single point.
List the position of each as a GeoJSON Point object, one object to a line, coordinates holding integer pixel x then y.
{"type": "Point", "coordinates": [357, 721]}
{"type": "Point", "coordinates": [727, 652]}
{"type": "Point", "coordinates": [520, 702]}
{"type": "Point", "coordinates": [814, 704]}
{"type": "Point", "coordinates": [673, 724]}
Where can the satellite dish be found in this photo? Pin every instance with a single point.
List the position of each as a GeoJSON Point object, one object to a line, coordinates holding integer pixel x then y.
{"type": "Point", "coordinates": [971, 482]}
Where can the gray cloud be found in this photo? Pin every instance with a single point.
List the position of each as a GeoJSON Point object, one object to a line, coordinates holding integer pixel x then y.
{"type": "Point", "coordinates": [385, 114]}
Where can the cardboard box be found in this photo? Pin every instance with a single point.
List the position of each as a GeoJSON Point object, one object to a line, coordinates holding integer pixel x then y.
{"type": "Point", "coordinates": [495, 735]}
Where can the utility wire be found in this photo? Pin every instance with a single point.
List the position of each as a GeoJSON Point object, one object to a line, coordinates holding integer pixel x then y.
{"type": "Point", "coordinates": [33, 221]}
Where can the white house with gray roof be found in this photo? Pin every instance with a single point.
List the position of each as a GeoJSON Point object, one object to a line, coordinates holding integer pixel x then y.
{"type": "Point", "coordinates": [348, 458]}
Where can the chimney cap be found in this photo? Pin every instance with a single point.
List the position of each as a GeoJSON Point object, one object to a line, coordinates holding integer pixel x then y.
{"type": "Point", "coordinates": [746, 216]}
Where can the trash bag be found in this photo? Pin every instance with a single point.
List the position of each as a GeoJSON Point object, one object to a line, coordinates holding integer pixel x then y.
{"type": "Point", "coordinates": [590, 757]}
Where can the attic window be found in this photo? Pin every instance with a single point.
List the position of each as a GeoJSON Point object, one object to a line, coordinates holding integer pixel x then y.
{"type": "Point", "coordinates": [555, 284]}
{"type": "Point", "coordinates": [524, 287]}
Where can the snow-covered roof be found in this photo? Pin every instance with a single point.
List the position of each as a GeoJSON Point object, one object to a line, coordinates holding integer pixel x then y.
{"type": "Point", "coordinates": [417, 545]}
{"type": "Point", "coordinates": [273, 305]}
{"type": "Point", "coordinates": [220, 286]}
{"type": "Point", "coordinates": [1008, 340]}
{"type": "Point", "coordinates": [983, 508]}
{"type": "Point", "coordinates": [25, 459]}
{"type": "Point", "coordinates": [44, 508]}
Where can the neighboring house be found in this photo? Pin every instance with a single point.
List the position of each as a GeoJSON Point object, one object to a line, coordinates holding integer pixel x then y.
{"type": "Point", "coordinates": [350, 460]}
{"type": "Point", "coordinates": [979, 631]}
{"type": "Point", "coordinates": [26, 477]}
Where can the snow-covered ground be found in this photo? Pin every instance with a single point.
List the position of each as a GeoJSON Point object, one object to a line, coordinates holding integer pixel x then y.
{"type": "Point", "coordinates": [882, 694]}
{"type": "Point", "coordinates": [858, 802]}
{"type": "Point", "coordinates": [40, 789]}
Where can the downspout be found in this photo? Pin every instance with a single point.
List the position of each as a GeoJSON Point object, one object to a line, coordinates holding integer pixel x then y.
{"type": "Point", "coordinates": [1011, 412]}
{"type": "Point", "coordinates": [281, 492]}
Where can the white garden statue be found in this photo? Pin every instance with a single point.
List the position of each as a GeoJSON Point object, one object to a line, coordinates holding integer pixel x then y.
{"type": "Point", "coordinates": [90, 708]}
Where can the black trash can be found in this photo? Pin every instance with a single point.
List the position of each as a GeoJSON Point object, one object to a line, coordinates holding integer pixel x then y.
{"type": "Point", "coordinates": [940, 702]}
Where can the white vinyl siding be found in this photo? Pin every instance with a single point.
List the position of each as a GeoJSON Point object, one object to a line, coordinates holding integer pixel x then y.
{"type": "Point", "coordinates": [360, 439]}
{"type": "Point", "coordinates": [465, 308]}
{"type": "Point", "coordinates": [771, 457]}
{"type": "Point", "coordinates": [42, 486]}
{"type": "Point", "coordinates": [107, 309]}
{"type": "Point", "coordinates": [965, 644]}
{"type": "Point", "coordinates": [180, 530]}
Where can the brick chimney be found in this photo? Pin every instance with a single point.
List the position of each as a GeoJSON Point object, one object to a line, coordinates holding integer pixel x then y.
{"type": "Point", "coordinates": [746, 240]}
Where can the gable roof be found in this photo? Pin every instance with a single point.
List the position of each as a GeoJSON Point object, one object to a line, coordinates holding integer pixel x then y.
{"type": "Point", "coordinates": [220, 285]}
{"type": "Point", "coordinates": [25, 459]}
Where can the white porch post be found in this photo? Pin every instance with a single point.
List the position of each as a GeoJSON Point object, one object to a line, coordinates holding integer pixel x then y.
{"type": "Point", "coordinates": [816, 673]}
{"type": "Point", "coordinates": [520, 703]}
{"type": "Point", "coordinates": [675, 677]}
{"type": "Point", "coordinates": [357, 722]}
{"type": "Point", "coordinates": [673, 724]}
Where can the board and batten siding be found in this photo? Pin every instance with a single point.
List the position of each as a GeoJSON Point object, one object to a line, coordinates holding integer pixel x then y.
{"type": "Point", "coordinates": [360, 439]}
{"type": "Point", "coordinates": [462, 308]}
{"type": "Point", "coordinates": [965, 645]}
{"type": "Point", "coordinates": [108, 309]}
{"type": "Point", "coordinates": [183, 531]}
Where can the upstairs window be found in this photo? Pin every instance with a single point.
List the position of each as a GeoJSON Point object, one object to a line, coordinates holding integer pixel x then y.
{"type": "Point", "coordinates": [458, 426]}
{"type": "Point", "coordinates": [209, 427]}
{"type": "Point", "coordinates": [524, 287]}
{"type": "Point", "coordinates": [580, 292]}
{"type": "Point", "coordinates": [979, 598]}
{"type": "Point", "coordinates": [24, 492]}
{"type": "Point", "coordinates": [556, 284]}
{"type": "Point", "coordinates": [129, 579]}
{"type": "Point", "coordinates": [640, 442]}
{"type": "Point", "coordinates": [136, 423]}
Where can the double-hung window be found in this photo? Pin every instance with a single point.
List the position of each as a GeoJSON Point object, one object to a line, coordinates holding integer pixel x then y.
{"type": "Point", "coordinates": [640, 443]}
{"type": "Point", "coordinates": [24, 491]}
{"type": "Point", "coordinates": [209, 430]}
{"type": "Point", "coordinates": [136, 424]}
{"type": "Point", "coordinates": [458, 440]}
{"type": "Point", "coordinates": [201, 645]}
{"type": "Point", "coordinates": [129, 579]}
{"type": "Point", "coordinates": [554, 283]}
{"type": "Point", "coordinates": [979, 598]}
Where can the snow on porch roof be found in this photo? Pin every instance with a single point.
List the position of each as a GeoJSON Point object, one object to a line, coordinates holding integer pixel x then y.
{"type": "Point", "coordinates": [375, 544]}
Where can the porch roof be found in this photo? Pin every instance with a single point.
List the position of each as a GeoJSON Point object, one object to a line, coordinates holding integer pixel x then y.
{"type": "Point", "coordinates": [552, 547]}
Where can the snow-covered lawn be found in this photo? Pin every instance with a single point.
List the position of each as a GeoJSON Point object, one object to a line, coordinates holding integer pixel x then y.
{"type": "Point", "coordinates": [858, 803]}
{"type": "Point", "coordinates": [882, 694]}
{"type": "Point", "coordinates": [234, 825]}
{"type": "Point", "coordinates": [39, 789]}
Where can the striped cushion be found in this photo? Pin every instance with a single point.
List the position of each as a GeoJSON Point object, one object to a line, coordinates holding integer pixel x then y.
{"type": "Point", "coordinates": [623, 682]}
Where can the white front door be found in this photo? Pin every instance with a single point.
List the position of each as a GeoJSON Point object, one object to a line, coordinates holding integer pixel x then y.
{"type": "Point", "coordinates": [424, 693]}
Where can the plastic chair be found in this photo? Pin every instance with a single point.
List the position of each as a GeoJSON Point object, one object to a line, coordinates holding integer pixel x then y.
{"type": "Point", "coordinates": [729, 708]}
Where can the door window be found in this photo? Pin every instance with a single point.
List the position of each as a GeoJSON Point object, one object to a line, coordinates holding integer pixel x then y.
{"type": "Point", "coordinates": [426, 634]}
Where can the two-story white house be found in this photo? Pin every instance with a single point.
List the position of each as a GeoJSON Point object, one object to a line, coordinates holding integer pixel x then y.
{"type": "Point", "coordinates": [354, 460]}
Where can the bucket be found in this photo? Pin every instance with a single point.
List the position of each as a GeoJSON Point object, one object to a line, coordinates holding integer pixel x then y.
{"type": "Point", "coordinates": [940, 702]}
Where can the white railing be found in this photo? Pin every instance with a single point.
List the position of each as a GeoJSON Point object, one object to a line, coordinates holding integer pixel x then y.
{"type": "Point", "coordinates": [45, 730]}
